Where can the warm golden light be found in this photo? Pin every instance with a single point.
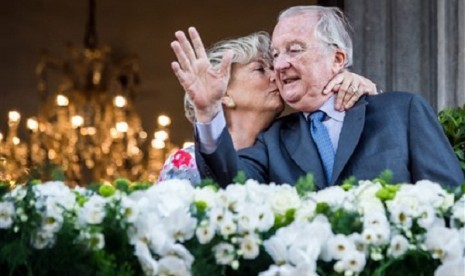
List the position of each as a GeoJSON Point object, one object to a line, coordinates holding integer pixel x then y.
{"type": "Point", "coordinates": [164, 120]}
{"type": "Point", "coordinates": [143, 135]}
{"type": "Point", "coordinates": [16, 141]}
{"type": "Point", "coordinates": [14, 116]}
{"type": "Point", "coordinates": [122, 126]}
{"type": "Point", "coordinates": [1, 136]}
{"type": "Point", "coordinates": [158, 144]}
{"type": "Point", "coordinates": [91, 131]}
{"type": "Point", "coordinates": [62, 100]}
{"type": "Point", "coordinates": [160, 135]}
{"type": "Point", "coordinates": [119, 101]}
{"type": "Point", "coordinates": [77, 121]}
{"type": "Point", "coordinates": [32, 124]}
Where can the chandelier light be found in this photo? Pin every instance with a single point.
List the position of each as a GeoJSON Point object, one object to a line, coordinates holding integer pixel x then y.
{"type": "Point", "coordinates": [87, 123]}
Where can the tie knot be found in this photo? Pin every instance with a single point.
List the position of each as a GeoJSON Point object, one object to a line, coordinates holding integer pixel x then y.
{"type": "Point", "coordinates": [317, 116]}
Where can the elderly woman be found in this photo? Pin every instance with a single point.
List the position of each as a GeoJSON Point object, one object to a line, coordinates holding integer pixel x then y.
{"type": "Point", "coordinates": [251, 101]}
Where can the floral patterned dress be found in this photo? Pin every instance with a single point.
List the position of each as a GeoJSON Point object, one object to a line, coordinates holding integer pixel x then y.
{"type": "Point", "coordinates": [181, 165]}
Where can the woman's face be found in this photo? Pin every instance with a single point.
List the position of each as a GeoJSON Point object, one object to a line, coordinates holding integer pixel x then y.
{"type": "Point", "coordinates": [253, 87]}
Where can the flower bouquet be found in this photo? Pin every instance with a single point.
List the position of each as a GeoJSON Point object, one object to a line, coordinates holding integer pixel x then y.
{"type": "Point", "coordinates": [172, 228]}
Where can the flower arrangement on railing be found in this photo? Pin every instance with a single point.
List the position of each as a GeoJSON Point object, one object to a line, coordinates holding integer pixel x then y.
{"type": "Point", "coordinates": [172, 228]}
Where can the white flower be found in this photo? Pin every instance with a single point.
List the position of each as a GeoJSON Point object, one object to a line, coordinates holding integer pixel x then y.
{"type": "Point", "coordinates": [235, 194]}
{"type": "Point", "coordinates": [401, 215]}
{"type": "Point", "coordinates": [283, 198]}
{"type": "Point", "coordinates": [205, 233]}
{"type": "Point", "coordinates": [382, 234]}
{"type": "Point", "coordinates": [458, 211]}
{"type": "Point", "coordinates": [129, 209]}
{"type": "Point", "coordinates": [256, 193]}
{"type": "Point", "coordinates": [444, 243]}
{"type": "Point", "coordinates": [427, 216]}
{"type": "Point", "coordinates": [339, 245]}
{"type": "Point", "coordinates": [171, 265]}
{"type": "Point", "coordinates": [366, 190]}
{"type": "Point", "coordinates": [148, 263]}
{"type": "Point", "coordinates": [42, 239]}
{"type": "Point", "coordinates": [306, 211]}
{"type": "Point", "coordinates": [247, 219]}
{"type": "Point", "coordinates": [217, 215]}
{"type": "Point", "coordinates": [276, 247]}
{"type": "Point", "coordinates": [375, 219]}
{"type": "Point", "coordinates": [170, 195]}
{"type": "Point", "coordinates": [224, 253]}
{"type": "Point", "coordinates": [354, 261]}
{"type": "Point", "coordinates": [281, 270]}
{"type": "Point", "coordinates": [7, 211]}
{"type": "Point", "coordinates": [335, 197]}
{"type": "Point", "coordinates": [180, 225]}
{"type": "Point", "coordinates": [399, 245]}
{"type": "Point", "coordinates": [179, 251]}
{"type": "Point", "coordinates": [227, 226]}
{"type": "Point", "coordinates": [205, 194]}
{"type": "Point", "coordinates": [304, 251]}
{"type": "Point", "coordinates": [17, 194]}
{"type": "Point", "coordinates": [94, 241]}
{"type": "Point", "coordinates": [452, 268]}
{"type": "Point", "coordinates": [265, 217]}
{"type": "Point", "coordinates": [52, 221]}
{"type": "Point", "coordinates": [93, 211]}
{"type": "Point", "coordinates": [359, 243]}
{"type": "Point", "coordinates": [370, 205]}
{"type": "Point", "coordinates": [249, 247]}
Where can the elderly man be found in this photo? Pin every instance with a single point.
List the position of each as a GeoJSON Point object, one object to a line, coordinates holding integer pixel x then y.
{"type": "Point", "coordinates": [396, 131]}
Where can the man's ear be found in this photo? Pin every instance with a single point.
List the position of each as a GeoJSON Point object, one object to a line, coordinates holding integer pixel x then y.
{"type": "Point", "coordinates": [339, 60]}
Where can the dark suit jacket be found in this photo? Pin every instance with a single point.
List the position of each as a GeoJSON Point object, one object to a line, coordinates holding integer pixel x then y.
{"type": "Point", "coordinates": [397, 131]}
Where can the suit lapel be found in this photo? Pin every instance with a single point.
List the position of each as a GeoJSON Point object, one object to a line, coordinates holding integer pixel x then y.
{"type": "Point", "coordinates": [350, 135]}
{"type": "Point", "coordinates": [297, 140]}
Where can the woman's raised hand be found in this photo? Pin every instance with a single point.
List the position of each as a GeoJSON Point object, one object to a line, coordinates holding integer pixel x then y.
{"type": "Point", "coordinates": [204, 84]}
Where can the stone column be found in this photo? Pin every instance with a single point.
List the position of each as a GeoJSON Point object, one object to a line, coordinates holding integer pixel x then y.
{"type": "Point", "coordinates": [412, 45]}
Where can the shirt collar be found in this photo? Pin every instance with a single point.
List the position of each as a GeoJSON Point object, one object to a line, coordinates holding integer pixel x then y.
{"type": "Point", "coordinates": [328, 108]}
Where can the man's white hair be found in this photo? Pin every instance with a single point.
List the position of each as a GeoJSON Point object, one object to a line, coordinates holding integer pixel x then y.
{"type": "Point", "coordinates": [332, 27]}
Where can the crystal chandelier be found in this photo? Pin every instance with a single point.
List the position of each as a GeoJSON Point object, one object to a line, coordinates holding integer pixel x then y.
{"type": "Point", "coordinates": [87, 123]}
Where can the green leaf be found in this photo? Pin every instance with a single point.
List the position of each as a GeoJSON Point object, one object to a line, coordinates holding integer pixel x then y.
{"type": "Point", "coordinates": [305, 184]}
{"type": "Point", "coordinates": [344, 222]}
{"type": "Point", "coordinates": [385, 177]}
{"type": "Point", "coordinates": [122, 184]}
{"type": "Point", "coordinates": [323, 208]}
{"type": "Point", "coordinates": [240, 178]}
{"type": "Point", "coordinates": [208, 182]}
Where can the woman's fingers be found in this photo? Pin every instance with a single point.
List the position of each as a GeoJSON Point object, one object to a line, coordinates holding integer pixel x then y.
{"type": "Point", "coordinates": [334, 84]}
{"type": "Point", "coordinates": [197, 43]}
{"type": "Point", "coordinates": [345, 93]}
{"type": "Point", "coordinates": [183, 60]}
{"type": "Point", "coordinates": [185, 45]}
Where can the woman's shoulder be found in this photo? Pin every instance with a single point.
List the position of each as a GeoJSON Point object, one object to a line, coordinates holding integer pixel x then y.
{"type": "Point", "coordinates": [181, 165]}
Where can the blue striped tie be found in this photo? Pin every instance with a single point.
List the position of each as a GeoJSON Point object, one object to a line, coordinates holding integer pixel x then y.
{"type": "Point", "coordinates": [323, 142]}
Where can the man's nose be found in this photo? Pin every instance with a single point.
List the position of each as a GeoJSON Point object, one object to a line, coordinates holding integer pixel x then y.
{"type": "Point", "coordinates": [280, 62]}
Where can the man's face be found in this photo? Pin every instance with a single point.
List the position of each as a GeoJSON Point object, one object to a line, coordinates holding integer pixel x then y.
{"type": "Point", "coordinates": [303, 65]}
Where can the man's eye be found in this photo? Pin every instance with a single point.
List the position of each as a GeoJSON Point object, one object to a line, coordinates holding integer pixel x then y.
{"type": "Point", "coordinates": [295, 49]}
{"type": "Point", "coordinates": [260, 69]}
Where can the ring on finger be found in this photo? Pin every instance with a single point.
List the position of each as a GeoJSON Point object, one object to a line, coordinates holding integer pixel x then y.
{"type": "Point", "coordinates": [354, 89]}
